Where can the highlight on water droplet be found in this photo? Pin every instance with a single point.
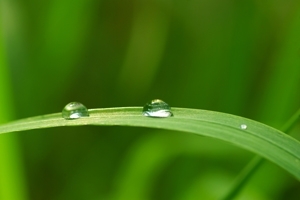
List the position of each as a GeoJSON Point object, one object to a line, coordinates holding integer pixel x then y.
{"type": "Point", "coordinates": [157, 108]}
{"type": "Point", "coordinates": [75, 110]}
{"type": "Point", "coordinates": [243, 126]}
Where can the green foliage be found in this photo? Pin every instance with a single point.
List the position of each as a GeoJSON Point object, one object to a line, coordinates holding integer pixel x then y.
{"type": "Point", "coordinates": [261, 139]}
{"type": "Point", "coordinates": [11, 169]}
{"type": "Point", "coordinates": [238, 57]}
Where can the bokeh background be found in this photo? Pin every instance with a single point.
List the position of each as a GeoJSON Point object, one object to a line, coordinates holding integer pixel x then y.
{"type": "Point", "coordinates": [239, 57]}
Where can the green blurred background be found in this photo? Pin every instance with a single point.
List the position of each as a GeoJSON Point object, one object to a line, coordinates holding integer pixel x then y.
{"type": "Point", "coordinates": [239, 57]}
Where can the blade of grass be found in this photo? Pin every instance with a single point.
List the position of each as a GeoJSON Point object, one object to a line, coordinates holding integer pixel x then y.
{"type": "Point", "coordinates": [284, 74]}
{"type": "Point", "coordinates": [261, 139]}
{"type": "Point", "coordinates": [151, 21]}
{"type": "Point", "coordinates": [285, 70]}
{"type": "Point", "coordinates": [256, 162]}
{"type": "Point", "coordinates": [12, 182]}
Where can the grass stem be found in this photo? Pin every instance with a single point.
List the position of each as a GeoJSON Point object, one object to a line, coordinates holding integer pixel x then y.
{"type": "Point", "coordinates": [12, 176]}
{"type": "Point", "coordinates": [256, 162]}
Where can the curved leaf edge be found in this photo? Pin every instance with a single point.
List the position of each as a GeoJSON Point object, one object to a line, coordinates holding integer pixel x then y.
{"type": "Point", "coordinates": [259, 138]}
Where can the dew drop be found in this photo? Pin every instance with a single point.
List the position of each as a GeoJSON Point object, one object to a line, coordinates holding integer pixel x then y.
{"type": "Point", "coordinates": [157, 108]}
{"type": "Point", "coordinates": [244, 126]}
{"type": "Point", "coordinates": [74, 110]}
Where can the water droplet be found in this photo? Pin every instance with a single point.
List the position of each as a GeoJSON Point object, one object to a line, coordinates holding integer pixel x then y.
{"type": "Point", "coordinates": [244, 126]}
{"type": "Point", "coordinates": [74, 110]}
{"type": "Point", "coordinates": [157, 108]}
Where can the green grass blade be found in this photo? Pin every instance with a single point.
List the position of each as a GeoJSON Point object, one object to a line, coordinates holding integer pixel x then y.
{"type": "Point", "coordinates": [261, 139]}
{"type": "Point", "coordinates": [256, 162]}
{"type": "Point", "coordinates": [12, 178]}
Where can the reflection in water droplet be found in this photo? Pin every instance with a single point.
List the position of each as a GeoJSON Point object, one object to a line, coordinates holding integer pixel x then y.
{"type": "Point", "coordinates": [74, 110]}
{"type": "Point", "coordinates": [157, 108]}
{"type": "Point", "coordinates": [244, 126]}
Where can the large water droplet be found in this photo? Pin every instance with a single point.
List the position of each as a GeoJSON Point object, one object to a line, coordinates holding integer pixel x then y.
{"type": "Point", "coordinates": [74, 110]}
{"type": "Point", "coordinates": [157, 108]}
{"type": "Point", "coordinates": [243, 126]}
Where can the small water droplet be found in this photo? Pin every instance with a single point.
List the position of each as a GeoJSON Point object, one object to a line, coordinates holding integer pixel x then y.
{"type": "Point", "coordinates": [157, 108]}
{"type": "Point", "coordinates": [244, 126]}
{"type": "Point", "coordinates": [74, 110]}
